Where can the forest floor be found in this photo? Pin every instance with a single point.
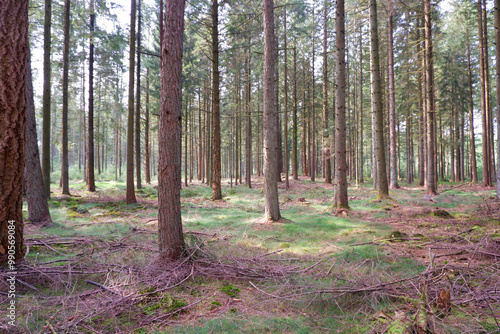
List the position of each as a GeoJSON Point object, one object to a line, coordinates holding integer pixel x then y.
{"type": "Point", "coordinates": [424, 264]}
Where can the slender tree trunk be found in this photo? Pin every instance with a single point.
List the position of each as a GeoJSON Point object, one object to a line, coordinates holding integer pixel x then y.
{"type": "Point", "coordinates": [46, 97]}
{"type": "Point", "coordinates": [431, 187]}
{"type": "Point", "coordinates": [216, 140]}
{"type": "Point", "coordinates": [295, 155]}
{"type": "Point", "coordinates": [130, 195]}
{"type": "Point", "coordinates": [186, 118]}
{"type": "Point", "coordinates": [271, 203]}
{"type": "Point", "coordinates": [138, 102]}
{"type": "Point", "coordinates": [326, 131]}
{"type": "Point", "coordinates": [340, 198]}
{"type": "Point", "coordinates": [361, 135]}
{"type": "Point", "coordinates": [147, 153]}
{"type": "Point", "coordinates": [379, 148]}
{"type": "Point", "coordinates": [13, 74]}
{"type": "Point", "coordinates": [312, 142]}
{"type": "Point", "coordinates": [38, 208]}
{"type": "Point", "coordinates": [484, 104]}
{"type": "Point", "coordinates": [90, 146]}
{"type": "Point", "coordinates": [64, 158]}
{"type": "Point", "coordinates": [497, 53]}
{"type": "Point", "coordinates": [392, 103]}
{"type": "Point", "coordinates": [489, 117]}
{"type": "Point", "coordinates": [285, 93]}
{"type": "Point", "coordinates": [248, 139]}
{"type": "Point", "coordinates": [170, 236]}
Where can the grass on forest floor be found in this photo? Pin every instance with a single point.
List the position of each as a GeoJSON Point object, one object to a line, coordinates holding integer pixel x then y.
{"type": "Point", "coordinates": [99, 238]}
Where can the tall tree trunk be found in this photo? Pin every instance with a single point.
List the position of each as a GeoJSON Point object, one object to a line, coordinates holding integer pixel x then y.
{"type": "Point", "coordinates": [170, 236]}
{"type": "Point", "coordinates": [379, 148]}
{"type": "Point", "coordinates": [326, 132]}
{"type": "Point", "coordinates": [13, 68]}
{"type": "Point", "coordinates": [271, 203]}
{"type": "Point", "coordinates": [38, 208]}
{"type": "Point", "coordinates": [295, 155]}
{"type": "Point", "coordinates": [483, 99]}
{"type": "Point", "coordinates": [64, 158]}
{"type": "Point", "coordinates": [130, 195]}
{"type": "Point", "coordinates": [431, 187]}
{"type": "Point", "coordinates": [285, 93]}
{"type": "Point", "coordinates": [497, 53]}
{"type": "Point", "coordinates": [392, 102]}
{"type": "Point", "coordinates": [472, 139]}
{"type": "Point", "coordinates": [248, 138]}
{"type": "Point", "coordinates": [340, 198]}
{"type": "Point", "coordinates": [186, 118]}
{"type": "Point", "coordinates": [312, 142]}
{"type": "Point", "coordinates": [147, 152]}
{"type": "Point", "coordinates": [359, 174]}
{"type": "Point", "coordinates": [489, 117]}
{"type": "Point", "coordinates": [216, 139]}
{"type": "Point", "coordinates": [420, 107]}
{"type": "Point", "coordinates": [90, 146]}
{"type": "Point", "coordinates": [138, 102]}
{"type": "Point", "coordinates": [46, 97]}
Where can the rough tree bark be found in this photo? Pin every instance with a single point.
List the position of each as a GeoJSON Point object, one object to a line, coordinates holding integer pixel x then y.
{"type": "Point", "coordinates": [170, 236]}
{"type": "Point", "coordinates": [271, 203]}
{"type": "Point", "coordinates": [378, 117]}
{"type": "Point", "coordinates": [130, 195]}
{"type": "Point", "coordinates": [38, 208]}
{"type": "Point", "coordinates": [340, 200]}
{"type": "Point", "coordinates": [13, 68]}
{"type": "Point", "coordinates": [216, 138]}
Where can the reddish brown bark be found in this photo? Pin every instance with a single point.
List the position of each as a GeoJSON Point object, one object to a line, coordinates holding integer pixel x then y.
{"type": "Point", "coordinates": [13, 66]}
{"type": "Point", "coordinates": [170, 237]}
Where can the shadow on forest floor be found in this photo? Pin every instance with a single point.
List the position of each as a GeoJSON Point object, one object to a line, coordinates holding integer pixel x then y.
{"type": "Point", "coordinates": [414, 262]}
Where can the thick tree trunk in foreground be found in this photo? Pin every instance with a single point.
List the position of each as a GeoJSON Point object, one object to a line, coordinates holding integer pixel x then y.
{"type": "Point", "coordinates": [170, 236]}
{"type": "Point", "coordinates": [378, 117]}
{"type": "Point", "coordinates": [64, 158]}
{"type": "Point", "coordinates": [340, 199]}
{"type": "Point", "coordinates": [216, 139]}
{"type": "Point", "coordinates": [13, 67]}
{"type": "Point", "coordinates": [38, 208]}
{"type": "Point", "coordinates": [130, 196]}
{"type": "Point", "coordinates": [271, 204]}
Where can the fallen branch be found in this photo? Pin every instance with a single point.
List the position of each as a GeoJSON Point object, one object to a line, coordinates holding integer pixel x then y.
{"type": "Point", "coordinates": [101, 286]}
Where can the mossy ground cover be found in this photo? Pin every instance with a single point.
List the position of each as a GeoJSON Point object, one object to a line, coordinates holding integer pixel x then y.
{"type": "Point", "coordinates": [301, 264]}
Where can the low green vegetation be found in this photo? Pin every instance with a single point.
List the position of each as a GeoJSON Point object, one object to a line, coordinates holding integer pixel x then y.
{"type": "Point", "coordinates": [312, 273]}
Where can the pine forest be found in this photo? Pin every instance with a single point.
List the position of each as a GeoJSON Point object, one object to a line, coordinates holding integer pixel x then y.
{"type": "Point", "coordinates": [253, 166]}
